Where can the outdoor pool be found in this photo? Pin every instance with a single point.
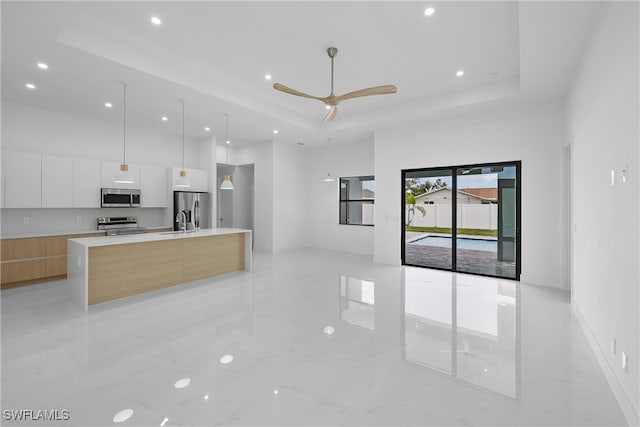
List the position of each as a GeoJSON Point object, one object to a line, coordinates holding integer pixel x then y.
{"type": "Point", "coordinates": [463, 243]}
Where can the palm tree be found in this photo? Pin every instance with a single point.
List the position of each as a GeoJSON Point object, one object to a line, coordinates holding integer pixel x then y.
{"type": "Point", "coordinates": [410, 204]}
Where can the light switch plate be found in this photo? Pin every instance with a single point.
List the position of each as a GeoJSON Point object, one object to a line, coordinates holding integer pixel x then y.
{"type": "Point", "coordinates": [624, 361]}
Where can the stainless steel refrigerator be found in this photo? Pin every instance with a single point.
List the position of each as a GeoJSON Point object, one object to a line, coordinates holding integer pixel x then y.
{"type": "Point", "coordinates": [196, 207]}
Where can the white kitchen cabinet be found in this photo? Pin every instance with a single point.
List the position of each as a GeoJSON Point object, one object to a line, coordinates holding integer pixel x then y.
{"type": "Point", "coordinates": [199, 179]}
{"type": "Point", "coordinates": [23, 179]}
{"type": "Point", "coordinates": [109, 170]}
{"type": "Point", "coordinates": [154, 186]}
{"type": "Point", "coordinates": [57, 182]}
{"type": "Point", "coordinates": [86, 183]}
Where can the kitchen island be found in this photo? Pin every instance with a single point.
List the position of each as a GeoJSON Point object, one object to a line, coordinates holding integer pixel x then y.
{"type": "Point", "coordinates": [102, 269]}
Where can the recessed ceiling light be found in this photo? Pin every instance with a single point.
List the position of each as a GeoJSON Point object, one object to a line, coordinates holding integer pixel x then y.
{"type": "Point", "coordinates": [228, 142]}
{"type": "Point", "coordinates": [227, 358]}
{"type": "Point", "coordinates": [182, 383]}
{"type": "Point", "coordinates": [108, 104]}
{"type": "Point", "coordinates": [43, 66]}
{"type": "Point", "coordinates": [267, 76]}
{"type": "Point", "coordinates": [30, 86]}
{"type": "Point", "coordinates": [429, 11]}
{"type": "Point", "coordinates": [156, 21]}
{"type": "Point", "coordinates": [207, 129]}
{"type": "Point", "coordinates": [122, 416]}
{"type": "Point", "coordinates": [275, 131]}
{"type": "Point", "coordinates": [165, 118]}
{"type": "Point", "coordinates": [327, 107]}
{"type": "Point", "coordinates": [460, 73]}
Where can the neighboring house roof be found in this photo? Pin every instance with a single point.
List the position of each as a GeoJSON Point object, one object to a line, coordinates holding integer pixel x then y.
{"type": "Point", "coordinates": [368, 194]}
{"type": "Point", "coordinates": [480, 193]}
{"type": "Point", "coordinates": [432, 191]}
{"type": "Point", "coordinates": [483, 193]}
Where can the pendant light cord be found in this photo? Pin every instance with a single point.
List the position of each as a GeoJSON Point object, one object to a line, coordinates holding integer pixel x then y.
{"type": "Point", "coordinates": [182, 102]}
{"type": "Point", "coordinates": [227, 141]}
{"type": "Point", "coordinates": [124, 123]}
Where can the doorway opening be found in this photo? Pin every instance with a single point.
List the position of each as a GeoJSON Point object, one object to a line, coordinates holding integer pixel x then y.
{"type": "Point", "coordinates": [236, 207]}
{"type": "Point", "coordinates": [463, 218]}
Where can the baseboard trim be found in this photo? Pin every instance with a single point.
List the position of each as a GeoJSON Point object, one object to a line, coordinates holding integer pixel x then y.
{"type": "Point", "coordinates": [618, 392]}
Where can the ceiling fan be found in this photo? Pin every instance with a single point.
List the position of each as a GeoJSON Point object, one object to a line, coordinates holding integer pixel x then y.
{"type": "Point", "coordinates": [332, 101]}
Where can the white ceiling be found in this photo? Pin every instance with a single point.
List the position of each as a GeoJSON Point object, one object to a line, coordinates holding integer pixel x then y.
{"type": "Point", "coordinates": [214, 55]}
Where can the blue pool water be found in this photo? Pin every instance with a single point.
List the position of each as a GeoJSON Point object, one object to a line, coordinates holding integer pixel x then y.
{"type": "Point", "coordinates": [463, 243]}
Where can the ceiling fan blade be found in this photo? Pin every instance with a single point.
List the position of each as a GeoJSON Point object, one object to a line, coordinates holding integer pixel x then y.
{"type": "Point", "coordinates": [286, 89]}
{"type": "Point", "coordinates": [377, 90]}
{"type": "Point", "coordinates": [331, 114]}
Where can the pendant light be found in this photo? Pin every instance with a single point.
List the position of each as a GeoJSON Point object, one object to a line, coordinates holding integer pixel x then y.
{"type": "Point", "coordinates": [183, 180]}
{"type": "Point", "coordinates": [227, 184]}
{"type": "Point", "coordinates": [123, 176]}
{"type": "Point", "coordinates": [329, 178]}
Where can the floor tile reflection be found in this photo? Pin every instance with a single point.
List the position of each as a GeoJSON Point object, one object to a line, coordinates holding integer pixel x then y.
{"type": "Point", "coordinates": [463, 326]}
{"type": "Point", "coordinates": [307, 338]}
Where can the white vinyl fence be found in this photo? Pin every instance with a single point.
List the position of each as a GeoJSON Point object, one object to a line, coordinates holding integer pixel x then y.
{"type": "Point", "coordinates": [469, 216]}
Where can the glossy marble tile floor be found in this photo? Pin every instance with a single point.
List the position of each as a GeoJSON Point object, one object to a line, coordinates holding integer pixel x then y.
{"type": "Point", "coordinates": [308, 338]}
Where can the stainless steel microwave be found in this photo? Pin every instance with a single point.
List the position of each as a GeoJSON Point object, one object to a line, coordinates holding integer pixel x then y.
{"type": "Point", "coordinates": [120, 198]}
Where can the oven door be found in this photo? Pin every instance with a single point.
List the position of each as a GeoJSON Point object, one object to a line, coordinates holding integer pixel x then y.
{"type": "Point", "coordinates": [135, 198]}
{"type": "Point", "coordinates": [116, 198]}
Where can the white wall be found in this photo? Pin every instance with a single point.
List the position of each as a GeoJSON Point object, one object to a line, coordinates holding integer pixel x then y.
{"type": "Point", "coordinates": [341, 160]}
{"type": "Point", "coordinates": [533, 134]}
{"type": "Point", "coordinates": [290, 226]}
{"type": "Point", "coordinates": [603, 118]}
{"type": "Point", "coordinates": [261, 155]}
{"type": "Point", "coordinates": [50, 132]}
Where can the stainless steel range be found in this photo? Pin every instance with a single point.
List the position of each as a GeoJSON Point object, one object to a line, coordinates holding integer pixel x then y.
{"type": "Point", "coordinates": [118, 225]}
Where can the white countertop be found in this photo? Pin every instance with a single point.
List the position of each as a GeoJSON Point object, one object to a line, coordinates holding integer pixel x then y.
{"type": "Point", "coordinates": [154, 237]}
{"type": "Point", "coordinates": [60, 233]}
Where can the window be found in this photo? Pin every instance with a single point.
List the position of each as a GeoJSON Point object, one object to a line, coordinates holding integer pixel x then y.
{"type": "Point", "coordinates": [357, 195]}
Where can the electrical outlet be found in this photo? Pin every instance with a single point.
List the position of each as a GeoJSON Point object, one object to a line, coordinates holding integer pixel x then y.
{"type": "Point", "coordinates": [26, 220]}
{"type": "Point", "coordinates": [613, 346]}
{"type": "Point", "coordinates": [78, 219]}
{"type": "Point", "coordinates": [624, 361]}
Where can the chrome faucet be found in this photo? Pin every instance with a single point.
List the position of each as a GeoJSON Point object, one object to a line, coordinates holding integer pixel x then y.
{"type": "Point", "coordinates": [181, 216]}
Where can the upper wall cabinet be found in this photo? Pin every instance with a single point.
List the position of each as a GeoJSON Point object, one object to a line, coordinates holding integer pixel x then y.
{"type": "Point", "coordinates": [199, 179]}
{"type": "Point", "coordinates": [153, 186]}
{"type": "Point", "coordinates": [86, 183]}
{"type": "Point", "coordinates": [57, 182]}
{"type": "Point", "coordinates": [110, 170]}
{"type": "Point", "coordinates": [22, 179]}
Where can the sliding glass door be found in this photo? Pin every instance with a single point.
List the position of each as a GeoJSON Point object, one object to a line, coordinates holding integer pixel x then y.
{"type": "Point", "coordinates": [428, 210]}
{"type": "Point", "coordinates": [463, 218]}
